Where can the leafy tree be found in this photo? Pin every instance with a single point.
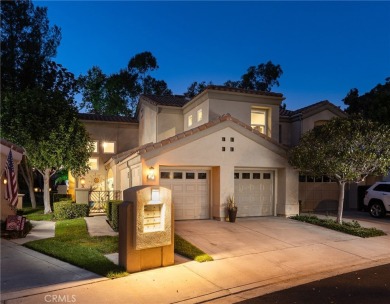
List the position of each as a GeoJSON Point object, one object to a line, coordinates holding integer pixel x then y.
{"type": "Point", "coordinates": [195, 88]}
{"type": "Point", "coordinates": [49, 131]}
{"type": "Point", "coordinates": [117, 94]}
{"type": "Point", "coordinates": [345, 150]}
{"type": "Point", "coordinates": [27, 44]}
{"type": "Point", "coordinates": [374, 105]}
{"type": "Point", "coordinates": [260, 78]}
{"type": "Point", "coordinates": [110, 95]}
{"type": "Point", "coordinates": [38, 110]}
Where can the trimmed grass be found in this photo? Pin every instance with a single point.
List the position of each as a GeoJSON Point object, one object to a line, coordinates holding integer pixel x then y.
{"type": "Point", "coordinates": [352, 228]}
{"type": "Point", "coordinates": [188, 250]}
{"type": "Point", "coordinates": [37, 214]}
{"type": "Point", "coordinates": [73, 244]}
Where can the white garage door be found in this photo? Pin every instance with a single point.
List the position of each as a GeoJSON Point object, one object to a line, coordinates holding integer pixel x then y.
{"type": "Point", "coordinates": [254, 193]}
{"type": "Point", "coordinates": [190, 192]}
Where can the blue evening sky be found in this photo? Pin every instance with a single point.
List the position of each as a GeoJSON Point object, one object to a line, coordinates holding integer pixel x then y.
{"type": "Point", "coordinates": [324, 48]}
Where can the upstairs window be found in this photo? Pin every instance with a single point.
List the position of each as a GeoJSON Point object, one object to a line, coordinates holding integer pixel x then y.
{"type": "Point", "coordinates": [93, 163]}
{"type": "Point", "coordinates": [190, 120]}
{"type": "Point", "coordinates": [258, 120]}
{"type": "Point", "coordinates": [95, 146]}
{"type": "Point", "coordinates": [108, 147]}
{"type": "Point", "coordinates": [199, 115]}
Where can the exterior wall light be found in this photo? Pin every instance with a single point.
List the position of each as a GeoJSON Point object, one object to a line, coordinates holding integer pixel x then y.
{"type": "Point", "coordinates": [151, 173]}
{"type": "Point", "coordinates": [5, 181]}
{"type": "Point", "coordinates": [82, 182]}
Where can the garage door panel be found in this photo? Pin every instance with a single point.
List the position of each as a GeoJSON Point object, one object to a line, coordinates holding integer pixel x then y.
{"type": "Point", "coordinates": [190, 193]}
{"type": "Point", "coordinates": [254, 193]}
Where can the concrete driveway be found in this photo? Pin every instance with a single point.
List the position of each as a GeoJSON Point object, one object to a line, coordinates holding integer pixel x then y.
{"type": "Point", "coordinates": [252, 257]}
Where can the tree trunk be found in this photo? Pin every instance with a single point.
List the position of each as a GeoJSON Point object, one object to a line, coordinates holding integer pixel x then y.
{"type": "Point", "coordinates": [341, 202]}
{"type": "Point", "coordinates": [28, 177]}
{"type": "Point", "coordinates": [46, 191]}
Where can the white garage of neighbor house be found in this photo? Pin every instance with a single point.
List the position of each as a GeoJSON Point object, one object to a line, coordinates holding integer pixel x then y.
{"type": "Point", "coordinates": [205, 165]}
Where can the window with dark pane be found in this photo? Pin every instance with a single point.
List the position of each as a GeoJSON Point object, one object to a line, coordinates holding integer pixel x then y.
{"type": "Point", "coordinates": [267, 175]}
{"type": "Point", "coordinates": [256, 175]}
{"type": "Point", "coordinates": [165, 175]}
{"type": "Point", "coordinates": [246, 175]}
{"type": "Point", "coordinates": [202, 175]}
{"type": "Point", "coordinates": [177, 175]}
{"type": "Point", "coordinates": [190, 175]}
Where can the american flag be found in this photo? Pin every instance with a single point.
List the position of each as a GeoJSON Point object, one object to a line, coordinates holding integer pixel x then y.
{"type": "Point", "coordinates": [11, 191]}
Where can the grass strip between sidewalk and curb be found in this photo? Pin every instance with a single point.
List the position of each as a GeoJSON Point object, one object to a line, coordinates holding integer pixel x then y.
{"type": "Point", "coordinates": [352, 228]}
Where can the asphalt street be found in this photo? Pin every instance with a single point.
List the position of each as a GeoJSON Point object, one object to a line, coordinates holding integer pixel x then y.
{"type": "Point", "coordinates": [367, 286]}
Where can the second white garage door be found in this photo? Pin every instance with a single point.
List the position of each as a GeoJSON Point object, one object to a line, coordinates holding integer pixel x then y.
{"type": "Point", "coordinates": [190, 192]}
{"type": "Point", "coordinates": [254, 193]}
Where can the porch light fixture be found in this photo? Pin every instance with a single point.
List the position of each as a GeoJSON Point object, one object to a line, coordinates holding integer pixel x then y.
{"type": "Point", "coordinates": [151, 173]}
{"type": "Point", "coordinates": [5, 181]}
{"type": "Point", "coordinates": [82, 182]}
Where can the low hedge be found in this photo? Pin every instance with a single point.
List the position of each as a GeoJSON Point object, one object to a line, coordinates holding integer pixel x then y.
{"type": "Point", "coordinates": [109, 208]}
{"type": "Point", "coordinates": [352, 228]}
{"type": "Point", "coordinates": [70, 210]}
{"type": "Point", "coordinates": [114, 206]}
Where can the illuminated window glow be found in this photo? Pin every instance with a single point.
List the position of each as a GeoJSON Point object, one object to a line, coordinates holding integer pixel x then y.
{"type": "Point", "coordinates": [93, 163]}
{"type": "Point", "coordinates": [108, 147]}
{"type": "Point", "coordinates": [190, 120]}
{"type": "Point", "coordinates": [258, 120]}
{"type": "Point", "coordinates": [199, 115]}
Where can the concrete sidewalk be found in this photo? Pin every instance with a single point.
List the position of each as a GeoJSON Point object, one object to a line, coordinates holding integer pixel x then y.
{"type": "Point", "coordinates": [252, 257]}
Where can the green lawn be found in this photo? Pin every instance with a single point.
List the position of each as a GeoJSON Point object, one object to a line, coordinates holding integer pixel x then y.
{"type": "Point", "coordinates": [73, 244]}
{"type": "Point", "coordinates": [37, 214]}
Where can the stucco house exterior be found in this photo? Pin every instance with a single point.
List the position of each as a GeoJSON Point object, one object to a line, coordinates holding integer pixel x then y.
{"type": "Point", "coordinates": [224, 141]}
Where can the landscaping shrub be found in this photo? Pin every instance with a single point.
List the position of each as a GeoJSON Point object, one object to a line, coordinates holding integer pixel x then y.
{"type": "Point", "coordinates": [352, 228]}
{"type": "Point", "coordinates": [114, 206]}
{"type": "Point", "coordinates": [109, 208]}
{"type": "Point", "coordinates": [70, 210]}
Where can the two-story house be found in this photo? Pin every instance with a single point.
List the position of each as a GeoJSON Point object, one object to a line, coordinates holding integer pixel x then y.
{"type": "Point", "coordinates": [222, 142]}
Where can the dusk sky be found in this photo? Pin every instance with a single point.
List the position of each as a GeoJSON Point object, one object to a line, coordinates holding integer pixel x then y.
{"type": "Point", "coordinates": [324, 48]}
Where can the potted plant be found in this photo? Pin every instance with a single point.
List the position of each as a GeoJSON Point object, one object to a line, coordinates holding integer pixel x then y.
{"type": "Point", "coordinates": [232, 209]}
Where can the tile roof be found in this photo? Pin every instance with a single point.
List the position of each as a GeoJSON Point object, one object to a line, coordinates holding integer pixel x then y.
{"type": "Point", "coordinates": [111, 118]}
{"type": "Point", "coordinates": [181, 100]}
{"type": "Point", "coordinates": [285, 112]}
{"type": "Point", "coordinates": [226, 117]}
{"type": "Point", "coordinates": [239, 90]}
{"type": "Point", "coordinates": [168, 100]}
{"type": "Point", "coordinates": [12, 146]}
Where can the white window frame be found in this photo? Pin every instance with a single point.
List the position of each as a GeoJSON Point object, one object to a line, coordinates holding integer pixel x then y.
{"type": "Point", "coordinates": [258, 127]}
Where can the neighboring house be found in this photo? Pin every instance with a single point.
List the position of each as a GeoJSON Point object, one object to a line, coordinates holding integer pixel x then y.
{"type": "Point", "coordinates": [17, 154]}
{"type": "Point", "coordinates": [111, 135]}
{"type": "Point", "coordinates": [315, 194]}
{"type": "Point", "coordinates": [222, 142]}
